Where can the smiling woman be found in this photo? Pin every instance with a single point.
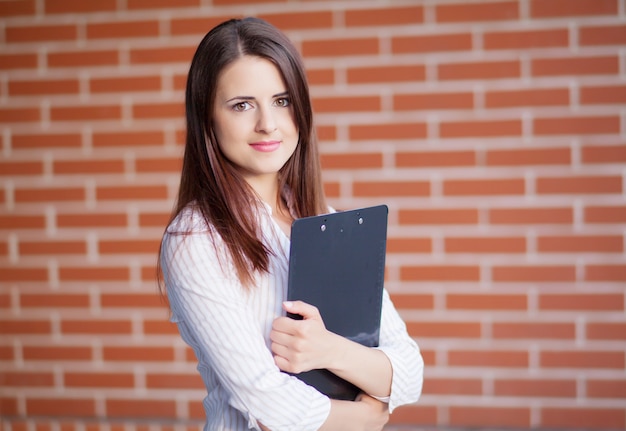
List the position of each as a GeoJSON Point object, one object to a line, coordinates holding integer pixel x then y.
{"type": "Point", "coordinates": [250, 167]}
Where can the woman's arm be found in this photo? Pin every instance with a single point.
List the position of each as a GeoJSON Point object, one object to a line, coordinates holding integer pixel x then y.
{"type": "Point", "coordinates": [303, 345]}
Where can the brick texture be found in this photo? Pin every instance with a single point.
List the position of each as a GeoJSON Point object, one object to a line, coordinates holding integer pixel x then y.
{"type": "Point", "coordinates": [493, 129]}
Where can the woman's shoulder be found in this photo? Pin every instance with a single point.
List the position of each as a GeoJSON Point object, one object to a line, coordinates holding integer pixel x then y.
{"type": "Point", "coordinates": [189, 220]}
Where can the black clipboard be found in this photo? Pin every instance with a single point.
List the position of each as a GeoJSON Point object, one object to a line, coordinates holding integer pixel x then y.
{"type": "Point", "coordinates": [337, 263]}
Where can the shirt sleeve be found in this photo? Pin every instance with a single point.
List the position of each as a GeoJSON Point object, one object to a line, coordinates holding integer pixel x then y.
{"type": "Point", "coordinates": [403, 353]}
{"type": "Point", "coordinates": [210, 303]}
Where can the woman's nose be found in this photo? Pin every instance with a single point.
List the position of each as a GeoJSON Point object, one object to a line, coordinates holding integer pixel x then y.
{"type": "Point", "coordinates": [266, 123]}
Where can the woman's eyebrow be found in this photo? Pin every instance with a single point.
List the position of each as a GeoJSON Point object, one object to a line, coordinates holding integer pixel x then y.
{"type": "Point", "coordinates": [283, 94]}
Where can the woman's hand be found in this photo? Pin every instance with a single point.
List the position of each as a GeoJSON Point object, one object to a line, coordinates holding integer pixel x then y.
{"type": "Point", "coordinates": [378, 412]}
{"type": "Point", "coordinates": [301, 345]}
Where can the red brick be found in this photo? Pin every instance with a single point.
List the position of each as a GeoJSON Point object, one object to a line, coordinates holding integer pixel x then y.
{"type": "Point", "coordinates": [340, 47]}
{"type": "Point", "coordinates": [459, 12]}
{"type": "Point", "coordinates": [529, 156]}
{"type": "Point", "coordinates": [444, 329]}
{"type": "Point", "coordinates": [17, 7]}
{"type": "Point", "coordinates": [23, 274]}
{"type": "Point", "coordinates": [528, 97]}
{"type": "Point", "coordinates": [523, 216]}
{"type": "Point", "coordinates": [158, 110]}
{"type": "Point", "coordinates": [458, 301]}
{"type": "Point", "coordinates": [413, 414]}
{"type": "Point", "coordinates": [607, 272]}
{"type": "Point", "coordinates": [596, 359]}
{"type": "Point", "coordinates": [122, 29]}
{"type": "Point", "coordinates": [440, 273]}
{"type": "Point", "coordinates": [490, 187]}
{"type": "Point", "coordinates": [93, 167]}
{"type": "Point", "coordinates": [576, 125]}
{"type": "Point", "coordinates": [611, 389]}
{"type": "Point", "coordinates": [473, 416]}
{"type": "Point", "coordinates": [533, 331]}
{"type": "Point", "coordinates": [386, 73]}
{"type": "Point", "coordinates": [485, 245]}
{"type": "Point", "coordinates": [581, 302]}
{"type": "Point", "coordinates": [351, 161]}
{"type": "Point", "coordinates": [488, 358]}
{"type": "Point", "coordinates": [40, 33]}
{"type": "Point", "coordinates": [26, 379]}
{"type": "Point", "coordinates": [21, 168]}
{"type": "Point", "coordinates": [125, 84]}
{"type": "Point", "coordinates": [8, 407]}
{"type": "Point", "coordinates": [74, 407]}
{"type": "Point", "coordinates": [602, 35]}
{"type": "Point", "coordinates": [562, 8]}
{"type": "Point", "coordinates": [94, 274]}
{"type": "Point", "coordinates": [131, 193]}
{"type": "Point", "coordinates": [536, 388]}
{"type": "Point", "coordinates": [606, 331]}
{"type": "Point", "coordinates": [159, 327]}
{"type": "Point", "coordinates": [453, 386]}
{"type": "Point", "coordinates": [196, 25]}
{"type": "Point", "coordinates": [179, 54]}
{"type": "Point", "coordinates": [19, 115]}
{"type": "Point", "coordinates": [60, 300]}
{"type": "Point", "coordinates": [79, 6]}
{"type": "Point", "coordinates": [22, 222]}
{"type": "Point", "coordinates": [525, 274]}
{"type": "Point", "coordinates": [609, 94]}
{"type": "Point", "coordinates": [480, 128]}
{"type": "Point", "coordinates": [76, 59]}
{"type": "Point", "coordinates": [432, 101]}
{"type": "Point", "coordinates": [391, 188]}
{"type": "Point", "coordinates": [431, 43]}
{"type": "Point", "coordinates": [575, 66]}
{"type": "Point", "coordinates": [57, 353]}
{"type": "Point", "coordinates": [43, 87]}
{"type": "Point", "coordinates": [154, 219]}
{"type": "Point", "coordinates": [477, 70]}
{"type": "Point", "coordinates": [65, 140]}
{"type": "Point", "coordinates": [50, 195]}
{"type": "Point", "coordinates": [581, 244]}
{"type": "Point", "coordinates": [578, 185]}
{"type": "Point", "coordinates": [583, 418]}
{"type": "Point", "coordinates": [409, 245]}
{"type": "Point", "coordinates": [443, 216]}
{"type": "Point", "coordinates": [92, 220]}
{"type": "Point", "coordinates": [174, 381]}
{"type": "Point", "coordinates": [347, 104]}
{"type": "Point", "coordinates": [138, 354]}
{"type": "Point", "coordinates": [18, 61]}
{"type": "Point", "coordinates": [604, 154]}
{"type": "Point", "coordinates": [362, 132]}
{"type": "Point", "coordinates": [527, 39]}
{"type": "Point", "coordinates": [435, 158]}
{"type": "Point", "coordinates": [136, 300]}
{"type": "Point", "coordinates": [413, 301]}
{"type": "Point", "coordinates": [129, 246]}
{"type": "Point", "coordinates": [605, 214]}
{"type": "Point", "coordinates": [128, 139]}
{"type": "Point", "coordinates": [314, 76]}
{"type": "Point", "coordinates": [93, 327]}
{"type": "Point", "coordinates": [384, 16]}
{"type": "Point", "coordinates": [300, 20]}
{"type": "Point", "coordinates": [85, 113]}
{"type": "Point", "coordinates": [22, 327]}
{"type": "Point", "coordinates": [98, 380]}
{"type": "Point", "coordinates": [161, 4]}
{"type": "Point", "coordinates": [164, 164]}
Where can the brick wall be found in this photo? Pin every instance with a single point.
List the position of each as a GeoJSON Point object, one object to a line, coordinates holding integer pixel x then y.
{"type": "Point", "coordinates": [494, 130]}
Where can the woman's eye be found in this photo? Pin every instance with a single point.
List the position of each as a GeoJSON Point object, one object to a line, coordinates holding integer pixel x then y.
{"type": "Point", "coordinates": [241, 106]}
{"type": "Point", "coordinates": [283, 102]}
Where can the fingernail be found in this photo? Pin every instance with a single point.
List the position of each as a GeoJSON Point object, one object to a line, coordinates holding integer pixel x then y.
{"type": "Point", "coordinates": [288, 304]}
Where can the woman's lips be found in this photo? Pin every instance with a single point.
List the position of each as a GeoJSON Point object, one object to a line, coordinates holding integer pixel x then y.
{"type": "Point", "coordinates": [265, 146]}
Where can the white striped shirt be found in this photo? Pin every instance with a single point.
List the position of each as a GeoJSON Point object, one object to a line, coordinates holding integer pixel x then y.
{"type": "Point", "coordinates": [228, 328]}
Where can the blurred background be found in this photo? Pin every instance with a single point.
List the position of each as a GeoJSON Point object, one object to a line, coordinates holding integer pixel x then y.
{"type": "Point", "coordinates": [495, 131]}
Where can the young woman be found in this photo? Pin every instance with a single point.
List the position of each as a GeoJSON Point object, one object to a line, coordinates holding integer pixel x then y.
{"type": "Point", "coordinates": [250, 168]}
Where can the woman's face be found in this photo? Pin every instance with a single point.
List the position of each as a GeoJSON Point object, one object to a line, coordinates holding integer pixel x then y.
{"type": "Point", "coordinates": [253, 118]}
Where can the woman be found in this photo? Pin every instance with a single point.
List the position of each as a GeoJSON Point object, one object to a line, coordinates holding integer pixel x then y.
{"type": "Point", "coordinates": [250, 168]}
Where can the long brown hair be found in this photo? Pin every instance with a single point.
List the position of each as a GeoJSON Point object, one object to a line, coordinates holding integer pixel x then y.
{"type": "Point", "coordinates": [209, 181]}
